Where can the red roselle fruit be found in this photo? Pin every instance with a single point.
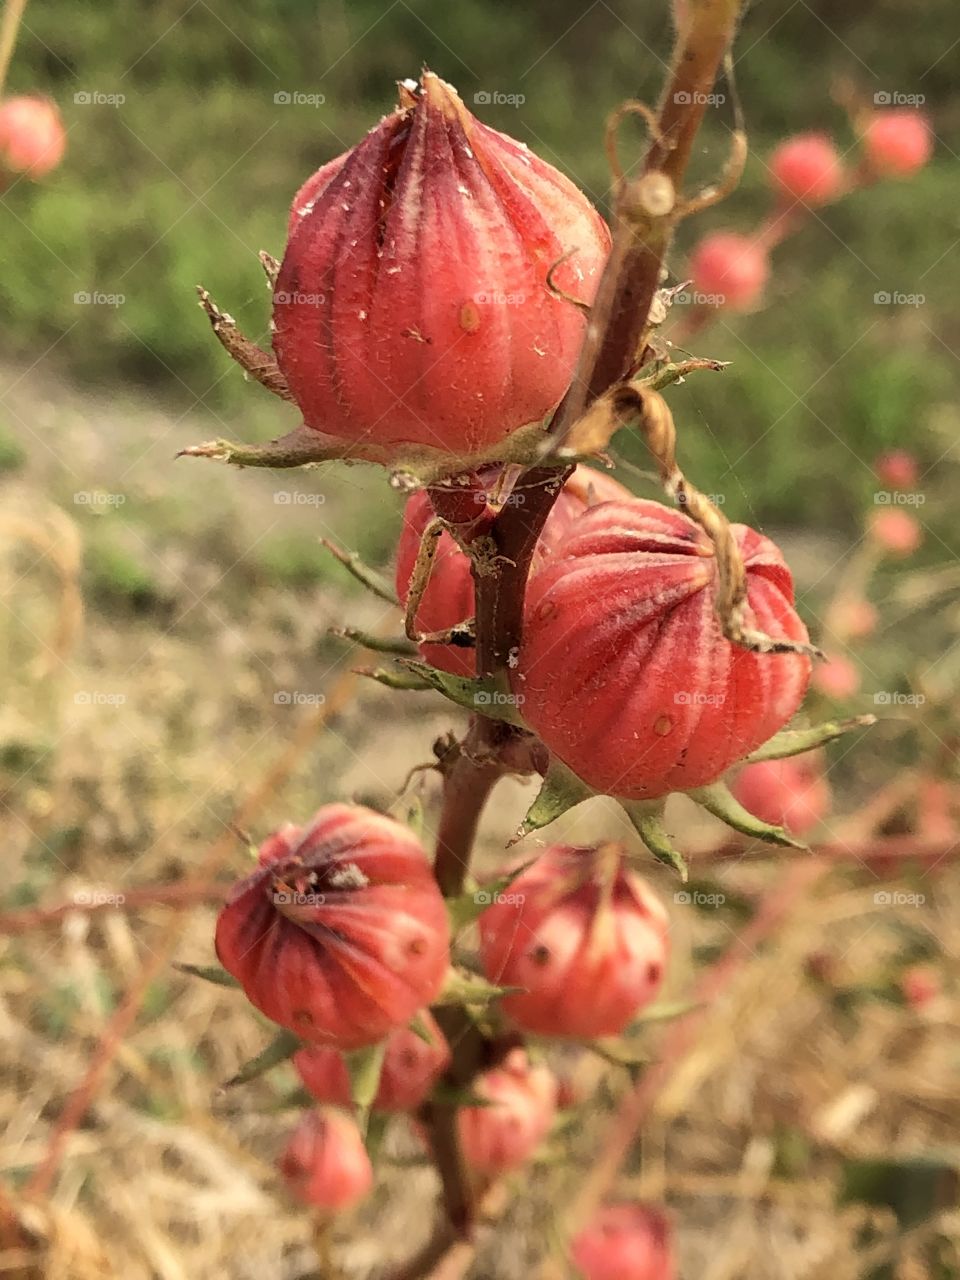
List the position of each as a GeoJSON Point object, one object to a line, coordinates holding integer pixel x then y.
{"type": "Point", "coordinates": [898, 469]}
{"type": "Point", "coordinates": [411, 1067]}
{"type": "Point", "coordinates": [325, 1163]}
{"type": "Point", "coordinates": [520, 1104]}
{"type": "Point", "coordinates": [626, 1242]}
{"type": "Point", "coordinates": [449, 597]}
{"type": "Point", "coordinates": [791, 793]}
{"type": "Point", "coordinates": [32, 138]}
{"type": "Point", "coordinates": [341, 934]}
{"type": "Point", "coordinates": [729, 269]}
{"type": "Point", "coordinates": [808, 169]}
{"type": "Point", "coordinates": [624, 670]}
{"type": "Point", "coordinates": [583, 936]}
{"type": "Point", "coordinates": [412, 305]}
{"type": "Point", "coordinates": [836, 678]}
{"type": "Point", "coordinates": [897, 532]}
{"type": "Point", "coordinates": [897, 143]}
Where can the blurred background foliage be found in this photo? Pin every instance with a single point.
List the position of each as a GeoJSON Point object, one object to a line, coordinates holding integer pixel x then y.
{"type": "Point", "coordinates": [192, 174]}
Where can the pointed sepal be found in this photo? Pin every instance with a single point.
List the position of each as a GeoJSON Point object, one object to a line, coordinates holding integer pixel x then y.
{"type": "Point", "coordinates": [648, 823]}
{"type": "Point", "coordinates": [209, 973]}
{"type": "Point", "coordinates": [793, 742]}
{"type": "Point", "coordinates": [283, 1046]}
{"type": "Point", "coordinates": [720, 801]}
{"type": "Point", "coordinates": [560, 791]}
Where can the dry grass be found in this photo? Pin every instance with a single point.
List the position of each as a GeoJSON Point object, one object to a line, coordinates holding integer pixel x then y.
{"type": "Point", "coordinates": [132, 783]}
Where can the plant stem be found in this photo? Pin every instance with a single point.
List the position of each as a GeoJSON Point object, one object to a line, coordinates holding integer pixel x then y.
{"type": "Point", "coordinates": [9, 26]}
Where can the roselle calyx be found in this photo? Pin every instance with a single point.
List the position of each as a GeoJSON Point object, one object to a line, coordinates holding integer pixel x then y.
{"type": "Point", "coordinates": [624, 670]}
{"type": "Point", "coordinates": [341, 933]}
{"type": "Point", "coordinates": [520, 1104]}
{"type": "Point", "coordinates": [412, 311]}
{"type": "Point", "coordinates": [449, 596]}
{"type": "Point", "coordinates": [583, 937]}
{"type": "Point", "coordinates": [324, 1163]}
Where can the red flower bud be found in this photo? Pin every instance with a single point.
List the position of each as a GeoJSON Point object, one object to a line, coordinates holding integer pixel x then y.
{"type": "Point", "coordinates": [449, 597]}
{"type": "Point", "coordinates": [325, 1162]}
{"type": "Point", "coordinates": [898, 143]}
{"type": "Point", "coordinates": [626, 1242]}
{"type": "Point", "coordinates": [791, 793]}
{"type": "Point", "coordinates": [807, 168]}
{"type": "Point", "coordinates": [412, 305]}
{"type": "Point", "coordinates": [898, 469]}
{"type": "Point", "coordinates": [733, 269]}
{"type": "Point", "coordinates": [896, 531]}
{"type": "Point", "coordinates": [836, 678]}
{"type": "Point", "coordinates": [411, 1067]}
{"type": "Point", "coordinates": [520, 1106]}
{"type": "Point", "coordinates": [854, 617]}
{"type": "Point", "coordinates": [586, 939]}
{"type": "Point", "coordinates": [624, 670]}
{"type": "Point", "coordinates": [32, 140]}
{"type": "Point", "coordinates": [920, 985]}
{"type": "Point", "coordinates": [341, 934]}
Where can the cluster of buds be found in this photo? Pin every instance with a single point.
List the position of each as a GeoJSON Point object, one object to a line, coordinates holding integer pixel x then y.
{"type": "Point", "coordinates": [730, 269]}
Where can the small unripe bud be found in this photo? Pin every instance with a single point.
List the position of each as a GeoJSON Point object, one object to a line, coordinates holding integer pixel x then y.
{"type": "Point", "coordinates": [836, 678]}
{"type": "Point", "coordinates": [807, 168]}
{"type": "Point", "coordinates": [325, 1163]}
{"type": "Point", "coordinates": [898, 469]}
{"type": "Point", "coordinates": [584, 937]}
{"type": "Point", "coordinates": [411, 1067]}
{"type": "Point", "coordinates": [32, 139]}
{"type": "Point", "coordinates": [854, 618]}
{"type": "Point", "coordinates": [896, 531]}
{"type": "Point", "coordinates": [897, 143]}
{"type": "Point", "coordinates": [626, 1242]}
{"type": "Point", "coordinates": [791, 793]}
{"type": "Point", "coordinates": [341, 933]}
{"type": "Point", "coordinates": [520, 1106]}
{"type": "Point", "coordinates": [920, 985]}
{"type": "Point", "coordinates": [731, 268]}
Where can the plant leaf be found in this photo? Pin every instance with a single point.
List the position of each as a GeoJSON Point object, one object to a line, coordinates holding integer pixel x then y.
{"type": "Point", "coordinates": [210, 973]}
{"type": "Point", "coordinates": [283, 1046]}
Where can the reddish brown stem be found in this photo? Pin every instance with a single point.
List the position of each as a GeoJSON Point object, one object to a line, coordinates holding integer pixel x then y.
{"type": "Point", "coordinates": [186, 893]}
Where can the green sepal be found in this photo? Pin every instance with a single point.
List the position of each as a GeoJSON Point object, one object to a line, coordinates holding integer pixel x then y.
{"type": "Point", "coordinates": [793, 742]}
{"type": "Point", "coordinates": [358, 569]}
{"type": "Point", "coordinates": [463, 987]}
{"type": "Point", "coordinates": [393, 678]}
{"type": "Point", "coordinates": [209, 973]}
{"type": "Point", "coordinates": [283, 1046]}
{"type": "Point", "coordinates": [485, 697]}
{"type": "Point", "coordinates": [364, 1067]}
{"type": "Point", "coordinates": [420, 1029]}
{"type": "Point", "coordinates": [720, 801]}
{"type": "Point", "coordinates": [400, 646]}
{"type": "Point", "coordinates": [663, 1013]}
{"type": "Point", "coordinates": [469, 906]}
{"type": "Point", "coordinates": [412, 815]}
{"type": "Point", "coordinates": [561, 790]}
{"type": "Point", "coordinates": [648, 822]}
